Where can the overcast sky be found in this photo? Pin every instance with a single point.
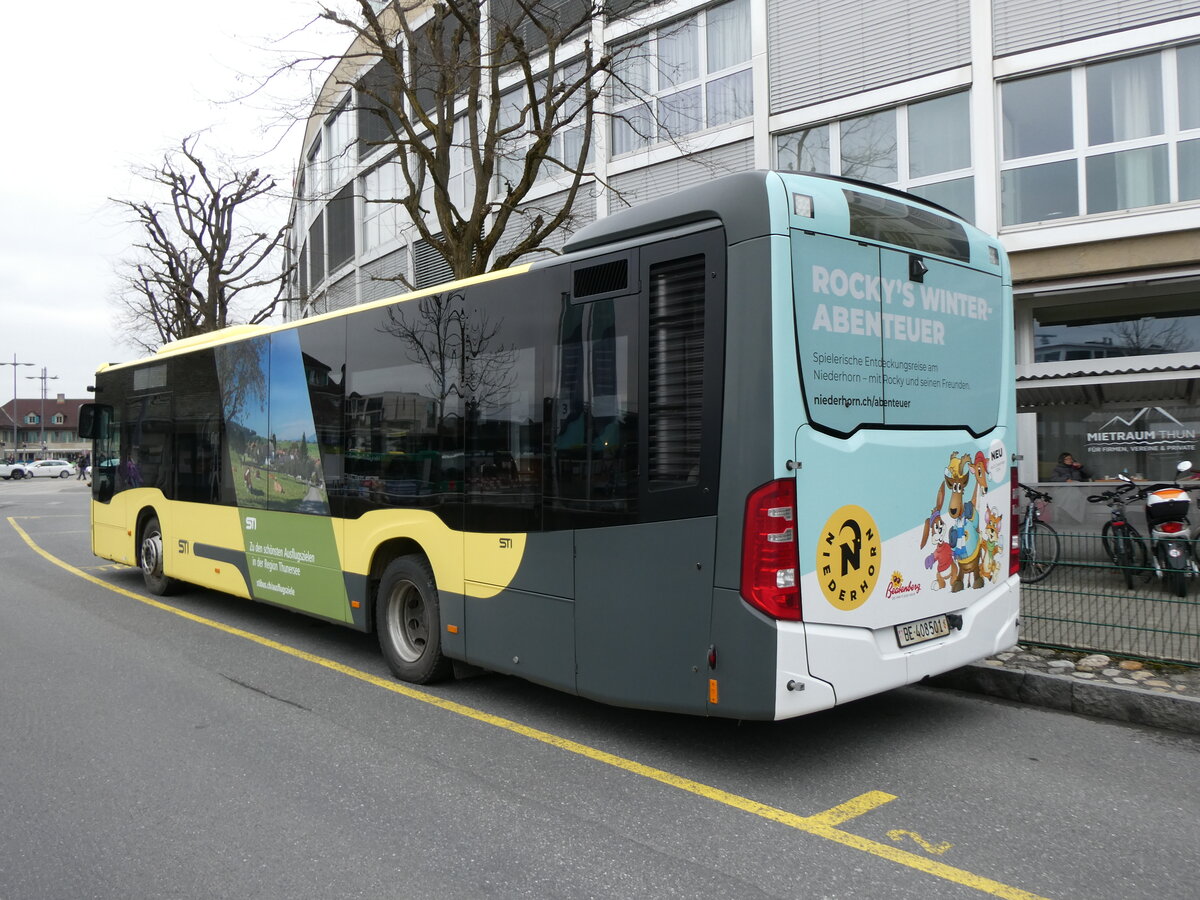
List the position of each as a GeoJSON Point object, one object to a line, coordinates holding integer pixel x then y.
{"type": "Point", "coordinates": [92, 90]}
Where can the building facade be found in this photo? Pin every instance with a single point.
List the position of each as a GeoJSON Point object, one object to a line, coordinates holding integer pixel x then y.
{"type": "Point", "coordinates": [45, 429]}
{"type": "Point", "coordinates": [1071, 128]}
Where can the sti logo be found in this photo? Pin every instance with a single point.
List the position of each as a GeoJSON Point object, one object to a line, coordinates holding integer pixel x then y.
{"type": "Point", "coordinates": [251, 523]}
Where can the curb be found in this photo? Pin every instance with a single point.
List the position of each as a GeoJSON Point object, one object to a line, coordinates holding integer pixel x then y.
{"type": "Point", "coordinates": [1088, 698]}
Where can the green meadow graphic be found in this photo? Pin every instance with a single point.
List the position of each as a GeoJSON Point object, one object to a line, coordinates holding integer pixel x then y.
{"type": "Point", "coordinates": [277, 476]}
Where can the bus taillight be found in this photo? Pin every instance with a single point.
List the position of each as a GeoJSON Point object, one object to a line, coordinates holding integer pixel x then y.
{"type": "Point", "coordinates": [1014, 544]}
{"type": "Point", "coordinates": [769, 559]}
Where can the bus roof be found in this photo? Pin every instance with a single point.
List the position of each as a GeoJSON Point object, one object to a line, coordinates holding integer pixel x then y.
{"type": "Point", "coordinates": [240, 332]}
{"type": "Point", "coordinates": [753, 204]}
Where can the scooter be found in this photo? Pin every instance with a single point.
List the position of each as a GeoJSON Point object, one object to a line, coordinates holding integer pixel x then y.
{"type": "Point", "coordinates": [1171, 546]}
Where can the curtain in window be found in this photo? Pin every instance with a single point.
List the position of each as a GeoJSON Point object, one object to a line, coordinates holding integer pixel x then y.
{"type": "Point", "coordinates": [1125, 103]}
{"type": "Point", "coordinates": [1124, 100]}
{"type": "Point", "coordinates": [1188, 63]}
{"type": "Point", "coordinates": [730, 98]}
{"type": "Point", "coordinates": [678, 53]}
{"type": "Point", "coordinates": [939, 135]}
{"type": "Point", "coordinates": [728, 35]}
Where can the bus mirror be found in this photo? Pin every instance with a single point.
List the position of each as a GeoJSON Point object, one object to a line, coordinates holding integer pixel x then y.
{"type": "Point", "coordinates": [94, 419]}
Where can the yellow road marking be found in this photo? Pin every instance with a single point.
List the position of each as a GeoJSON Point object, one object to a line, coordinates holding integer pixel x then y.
{"type": "Point", "coordinates": [821, 825]}
{"type": "Point", "coordinates": [898, 834]}
{"type": "Point", "coordinates": [852, 809]}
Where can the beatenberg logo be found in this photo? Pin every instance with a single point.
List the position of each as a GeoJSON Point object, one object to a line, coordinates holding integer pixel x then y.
{"type": "Point", "coordinates": [1153, 428]}
{"type": "Point", "coordinates": [898, 586]}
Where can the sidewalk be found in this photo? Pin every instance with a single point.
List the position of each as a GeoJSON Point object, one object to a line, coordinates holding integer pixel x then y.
{"type": "Point", "coordinates": [1161, 696]}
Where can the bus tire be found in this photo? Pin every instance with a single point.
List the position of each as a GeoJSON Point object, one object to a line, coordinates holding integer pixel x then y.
{"type": "Point", "coordinates": [408, 622]}
{"type": "Point", "coordinates": [150, 559]}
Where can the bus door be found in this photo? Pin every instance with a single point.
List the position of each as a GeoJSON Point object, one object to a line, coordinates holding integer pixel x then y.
{"type": "Point", "coordinates": [643, 590]}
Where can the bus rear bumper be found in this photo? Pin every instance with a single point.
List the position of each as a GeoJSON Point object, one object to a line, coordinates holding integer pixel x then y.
{"type": "Point", "coordinates": [858, 662]}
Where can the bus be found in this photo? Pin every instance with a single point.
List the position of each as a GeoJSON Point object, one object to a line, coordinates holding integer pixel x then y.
{"type": "Point", "coordinates": [741, 451]}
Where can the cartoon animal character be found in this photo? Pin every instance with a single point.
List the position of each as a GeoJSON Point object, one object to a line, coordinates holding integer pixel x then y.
{"type": "Point", "coordinates": [962, 515]}
{"type": "Point", "coordinates": [941, 560]}
{"type": "Point", "coordinates": [989, 547]}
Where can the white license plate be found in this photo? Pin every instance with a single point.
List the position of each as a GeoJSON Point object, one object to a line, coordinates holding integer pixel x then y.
{"type": "Point", "coordinates": [922, 630]}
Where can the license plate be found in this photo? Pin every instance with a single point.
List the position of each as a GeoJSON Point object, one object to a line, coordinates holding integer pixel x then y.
{"type": "Point", "coordinates": [922, 630]}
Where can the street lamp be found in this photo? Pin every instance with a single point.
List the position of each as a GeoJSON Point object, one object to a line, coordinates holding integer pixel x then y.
{"type": "Point", "coordinates": [14, 364]}
{"type": "Point", "coordinates": [43, 378]}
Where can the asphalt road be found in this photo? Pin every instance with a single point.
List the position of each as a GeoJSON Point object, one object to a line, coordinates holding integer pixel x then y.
{"type": "Point", "coordinates": [210, 747]}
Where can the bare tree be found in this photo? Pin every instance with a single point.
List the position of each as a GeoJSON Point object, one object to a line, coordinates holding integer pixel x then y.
{"type": "Point", "coordinates": [1151, 335]}
{"type": "Point", "coordinates": [479, 102]}
{"type": "Point", "coordinates": [197, 257]}
{"type": "Point", "coordinates": [458, 348]}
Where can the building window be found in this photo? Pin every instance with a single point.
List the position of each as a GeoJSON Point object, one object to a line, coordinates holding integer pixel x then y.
{"type": "Point", "coordinates": [58, 419]}
{"type": "Point", "coordinates": [339, 139]}
{"type": "Point", "coordinates": [32, 419]}
{"type": "Point", "coordinates": [684, 77]}
{"type": "Point", "coordinates": [565, 145]}
{"type": "Point", "coordinates": [922, 147]}
{"type": "Point", "coordinates": [381, 213]}
{"type": "Point", "coordinates": [1101, 138]}
{"type": "Point", "coordinates": [341, 228]}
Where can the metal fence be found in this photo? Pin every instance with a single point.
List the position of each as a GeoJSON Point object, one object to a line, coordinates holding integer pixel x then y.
{"type": "Point", "coordinates": [1084, 604]}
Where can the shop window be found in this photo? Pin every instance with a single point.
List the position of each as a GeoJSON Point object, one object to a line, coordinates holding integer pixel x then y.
{"type": "Point", "coordinates": [1142, 440]}
{"type": "Point", "coordinates": [1061, 334]}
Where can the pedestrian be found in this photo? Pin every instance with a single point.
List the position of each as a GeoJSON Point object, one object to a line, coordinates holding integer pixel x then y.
{"type": "Point", "coordinates": [1069, 470]}
{"type": "Point", "coordinates": [84, 462]}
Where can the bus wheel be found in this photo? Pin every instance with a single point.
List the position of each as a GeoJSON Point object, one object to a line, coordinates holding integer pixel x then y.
{"type": "Point", "coordinates": [408, 621]}
{"type": "Point", "coordinates": [150, 558]}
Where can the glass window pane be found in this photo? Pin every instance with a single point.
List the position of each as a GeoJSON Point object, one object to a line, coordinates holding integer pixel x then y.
{"type": "Point", "coordinates": [869, 147]}
{"type": "Point", "coordinates": [1037, 115]}
{"type": "Point", "coordinates": [678, 53]}
{"type": "Point", "coordinates": [631, 130]}
{"type": "Point", "coordinates": [1127, 180]}
{"type": "Point", "coordinates": [730, 98]}
{"type": "Point", "coordinates": [804, 151]}
{"type": "Point", "coordinates": [679, 114]}
{"type": "Point", "coordinates": [1188, 63]}
{"type": "Point", "coordinates": [939, 135]}
{"type": "Point", "coordinates": [1124, 99]}
{"type": "Point", "coordinates": [958, 195]}
{"type": "Point", "coordinates": [1039, 193]}
{"type": "Point", "coordinates": [728, 35]}
{"type": "Point", "coordinates": [1189, 170]}
{"type": "Point", "coordinates": [1131, 335]}
{"type": "Point", "coordinates": [630, 79]}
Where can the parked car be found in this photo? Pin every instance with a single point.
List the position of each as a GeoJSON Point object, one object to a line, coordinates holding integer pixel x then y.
{"type": "Point", "coordinates": [12, 470]}
{"type": "Point", "coordinates": [49, 468]}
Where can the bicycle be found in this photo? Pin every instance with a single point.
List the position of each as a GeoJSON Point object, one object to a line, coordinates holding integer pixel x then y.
{"type": "Point", "coordinates": [1122, 544]}
{"type": "Point", "coordinates": [1038, 543]}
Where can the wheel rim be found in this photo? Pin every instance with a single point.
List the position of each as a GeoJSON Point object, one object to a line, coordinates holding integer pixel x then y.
{"type": "Point", "coordinates": [152, 554]}
{"type": "Point", "coordinates": [408, 621]}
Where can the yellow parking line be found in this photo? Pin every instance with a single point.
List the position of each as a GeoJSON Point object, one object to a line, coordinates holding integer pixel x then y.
{"type": "Point", "coordinates": [821, 825]}
{"type": "Point", "coordinates": [852, 809]}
